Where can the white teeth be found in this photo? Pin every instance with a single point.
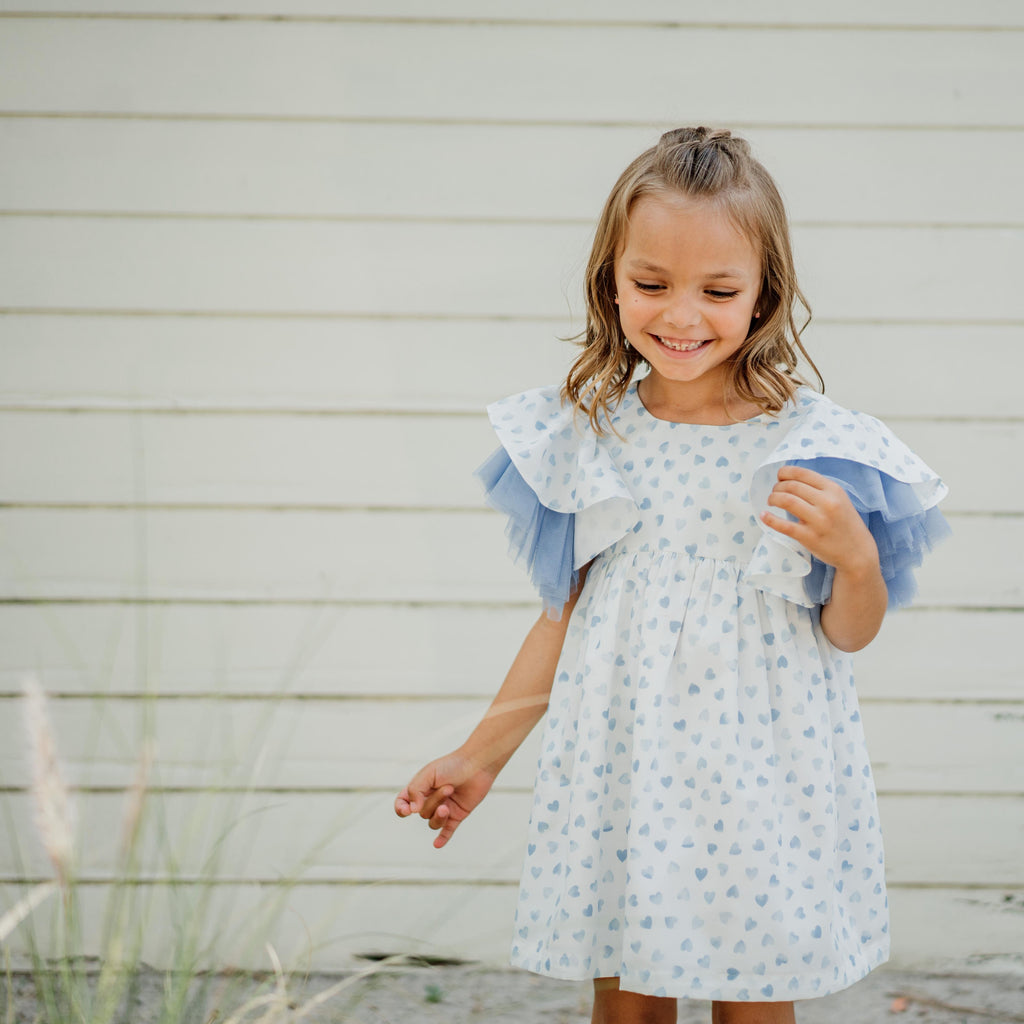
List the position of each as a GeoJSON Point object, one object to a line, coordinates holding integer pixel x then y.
{"type": "Point", "coordinates": [676, 346]}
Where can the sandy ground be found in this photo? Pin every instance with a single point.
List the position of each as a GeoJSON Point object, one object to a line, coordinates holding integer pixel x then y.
{"type": "Point", "coordinates": [468, 994]}
{"type": "Point", "coordinates": [477, 995]}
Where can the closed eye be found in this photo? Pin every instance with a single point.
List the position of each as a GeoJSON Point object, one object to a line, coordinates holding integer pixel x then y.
{"type": "Point", "coordinates": [716, 294]}
{"type": "Point", "coordinates": [646, 287]}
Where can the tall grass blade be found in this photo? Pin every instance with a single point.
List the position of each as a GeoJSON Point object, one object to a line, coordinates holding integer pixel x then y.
{"type": "Point", "coordinates": [24, 907]}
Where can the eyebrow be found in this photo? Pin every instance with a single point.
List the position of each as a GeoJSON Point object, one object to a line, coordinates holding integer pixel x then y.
{"type": "Point", "coordinates": [655, 269]}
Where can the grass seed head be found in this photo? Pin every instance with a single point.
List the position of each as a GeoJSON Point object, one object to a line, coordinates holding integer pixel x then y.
{"type": "Point", "coordinates": [53, 809]}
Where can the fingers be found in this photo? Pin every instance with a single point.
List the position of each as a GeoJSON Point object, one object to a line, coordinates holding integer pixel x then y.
{"type": "Point", "coordinates": [788, 498]}
{"type": "Point", "coordinates": [794, 482]}
{"type": "Point", "coordinates": [801, 505]}
{"type": "Point", "coordinates": [438, 813]}
{"type": "Point", "coordinates": [801, 473]}
{"type": "Point", "coordinates": [818, 514]}
{"type": "Point", "coordinates": [411, 799]}
{"type": "Point", "coordinates": [421, 799]}
{"type": "Point", "coordinates": [435, 802]}
{"type": "Point", "coordinates": [777, 523]}
{"type": "Point", "coordinates": [432, 806]}
{"type": "Point", "coordinates": [424, 804]}
{"type": "Point", "coordinates": [447, 831]}
{"type": "Point", "coordinates": [806, 495]}
{"type": "Point", "coordinates": [442, 793]}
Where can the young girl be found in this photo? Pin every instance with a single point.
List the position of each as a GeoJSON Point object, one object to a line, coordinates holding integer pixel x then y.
{"type": "Point", "coordinates": [709, 541]}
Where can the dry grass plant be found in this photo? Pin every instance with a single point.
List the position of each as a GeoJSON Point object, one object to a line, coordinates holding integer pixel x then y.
{"type": "Point", "coordinates": [73, 988]}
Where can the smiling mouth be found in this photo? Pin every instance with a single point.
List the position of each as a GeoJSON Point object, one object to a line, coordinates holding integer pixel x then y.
{"type": "Point", "coordinates": [681, 346]}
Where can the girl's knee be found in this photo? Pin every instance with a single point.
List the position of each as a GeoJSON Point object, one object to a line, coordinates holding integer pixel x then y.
{"type": "Point", "coordinates": [753, 1013]}
{"type": "Point", "coordinates": [612, 1006]}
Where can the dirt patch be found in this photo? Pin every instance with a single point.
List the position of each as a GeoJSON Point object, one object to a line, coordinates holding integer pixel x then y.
{"type": "Point", "coordinates": [479, 995]}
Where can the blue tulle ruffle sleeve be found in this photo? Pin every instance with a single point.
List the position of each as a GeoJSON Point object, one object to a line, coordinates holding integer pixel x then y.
{"type": "Point", "coordinates": [538, 536]}
{"type": "Point", "coordinates": [557, 483]}
{"type": "Point", "coordinates": [902, 529]}
{"type": "Point", "coordinates": [894, 491]}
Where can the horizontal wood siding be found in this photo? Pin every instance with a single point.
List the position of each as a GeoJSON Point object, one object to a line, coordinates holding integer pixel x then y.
{"type": "Point", "coordinates": [296, 169]}
{"type": "Point", "coordinates": [212, 459]}
{"type": "Point", "coordinates": [292, 69]}
{"type": "Point", "coordinates": [469, 919]}
{"type": "Point", "coordinates": [314, 743]}
{"type": "Point", "coordinates": [256, 287]}
{"type": "Point", "coordinates": [937, 14]}
{"type": "Point", "coordinates": [937, 847]}
{"type": "Point", "coordinates": [453, 269]}
{"type": "Point", "coordinates": [186, 363]}
{"type": "Point", "coordinates": [325, 648]}
{"type": "Point", "coordinates": [231, 554]}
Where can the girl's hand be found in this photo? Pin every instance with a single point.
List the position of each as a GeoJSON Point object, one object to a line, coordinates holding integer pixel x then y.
{"type": "Point", "coordinates": [830, 528]}
{"type": "Point", "coordinates": [826, 524]}
{"type": "Point", "coordinates": [445, 792]}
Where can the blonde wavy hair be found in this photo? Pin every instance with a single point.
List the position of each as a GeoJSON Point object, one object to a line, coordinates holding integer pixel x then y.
{"type": "Point", "coordinates": [717, 167]}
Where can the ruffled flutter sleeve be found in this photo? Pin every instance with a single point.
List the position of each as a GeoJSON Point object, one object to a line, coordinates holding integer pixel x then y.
{"type": "Point", "coordinates": [894, 491]}
{"type": "Point", "coordinates": [555, 481]}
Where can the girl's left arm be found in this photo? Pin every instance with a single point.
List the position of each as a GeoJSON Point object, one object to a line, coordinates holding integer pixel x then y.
{"type": "Point", "coordinates": [828, 526]}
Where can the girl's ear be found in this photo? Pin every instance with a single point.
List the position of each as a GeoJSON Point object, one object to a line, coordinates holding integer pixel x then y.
{"type": "Point", "coordinates": [616, 300]}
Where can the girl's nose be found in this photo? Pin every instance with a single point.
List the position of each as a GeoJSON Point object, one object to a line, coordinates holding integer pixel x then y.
{"type": "Point", "coordinates": [682, 314]}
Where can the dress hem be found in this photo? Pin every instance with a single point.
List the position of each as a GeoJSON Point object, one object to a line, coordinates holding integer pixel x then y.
{"type": "Point", "coordinates": [766, 988]}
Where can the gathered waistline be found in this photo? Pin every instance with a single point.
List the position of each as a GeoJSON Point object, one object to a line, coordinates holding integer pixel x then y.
{"type": "Point", "coordinates": [657, 554]}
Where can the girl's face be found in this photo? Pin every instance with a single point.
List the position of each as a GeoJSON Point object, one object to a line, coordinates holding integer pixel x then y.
{"type": "Point", "coordinates": [686, 282]}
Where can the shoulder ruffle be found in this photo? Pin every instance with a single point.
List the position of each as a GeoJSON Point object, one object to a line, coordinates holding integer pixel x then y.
{"type": "Point", "coordinates": [559, 487]}
{"type": "Point", "coordinates": [893, 490]}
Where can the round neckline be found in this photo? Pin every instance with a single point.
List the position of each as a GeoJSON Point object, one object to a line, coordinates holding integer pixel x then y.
{"type": "Point", "coordinates": [645, 413]}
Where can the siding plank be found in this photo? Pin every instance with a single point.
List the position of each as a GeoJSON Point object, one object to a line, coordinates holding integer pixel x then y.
{"type": "Point", "coordinates": [314, 927]}
{"type": "Point", "coordinates": [244, 459]}
{"type": "Point", "coordinates": [183, 649]}
{"type": "Point", "coordinates": [294, 364]}
{"type": "Point", "coordinates": [322, 927]}
{"type": "Point", "coordinates": [794, 12]}
{"type": "Point", "coordinates": [383, 555]}
{"type": "Point", "coordinates": [465, 269]}
{"type": "Point", "coordinates": [357, 837]}
{"type": "Point", "coordinates": [402, 462]}
{"type": "Point", "coordinates": [966, 656]}
{"type": "Point", "coordinates": [934, 749]}
{"type": "Point", "coordinates": [360, 169]}
{"type": "Point", "coordinates": [340, 651]}
{"type": "Point", "coordinates": [288, 69]}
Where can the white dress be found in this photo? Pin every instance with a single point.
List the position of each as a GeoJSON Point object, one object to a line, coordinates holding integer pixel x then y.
{"type": "Point", "coordinates": [705, 821]}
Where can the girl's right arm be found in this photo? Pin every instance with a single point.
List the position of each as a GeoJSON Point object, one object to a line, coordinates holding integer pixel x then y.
{"type": "Point", "coordinates": [446, 790]}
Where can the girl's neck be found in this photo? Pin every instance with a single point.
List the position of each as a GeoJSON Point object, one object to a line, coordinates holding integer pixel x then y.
{"type": "Point", "coordinates": [680, 402]}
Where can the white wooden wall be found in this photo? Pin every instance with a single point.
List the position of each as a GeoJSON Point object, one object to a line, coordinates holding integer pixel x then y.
{"type": "Point", "coordinates": [263, 262]}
